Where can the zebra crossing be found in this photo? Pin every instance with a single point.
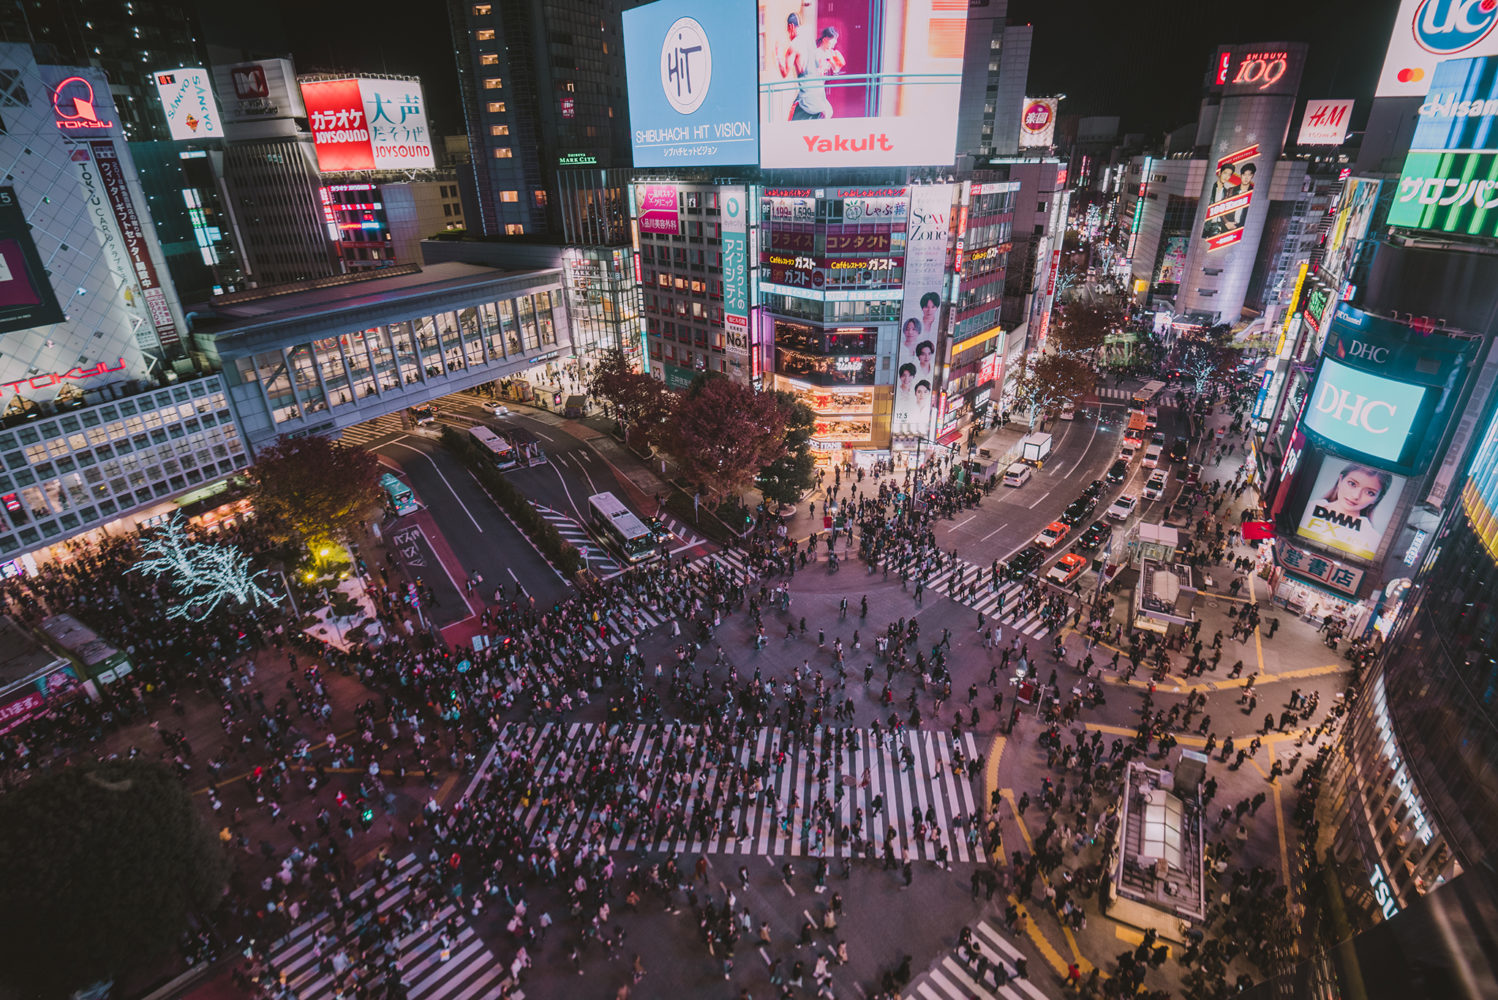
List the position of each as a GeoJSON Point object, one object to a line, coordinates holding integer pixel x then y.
{"type": "Point", "coordinates": [599, 560]}
{"type": "Point", "coordinates": [320, 952]}
{"type": "Point", "coordinates": [360, 435]}
{"type": "Point", "coordinates": [769, 817]}
{"type": "Point", "coordinates": [952, 582]}
{"type": "Point", "coordinates": [952, 978]}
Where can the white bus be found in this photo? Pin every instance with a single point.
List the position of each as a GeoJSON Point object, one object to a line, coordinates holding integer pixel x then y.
{"type": "Point", "coordinates": [497, 447]}
{"type": "Point", "coordinates": [1145, 394]}
{"type": "Point", "coordinates": [619, 528]}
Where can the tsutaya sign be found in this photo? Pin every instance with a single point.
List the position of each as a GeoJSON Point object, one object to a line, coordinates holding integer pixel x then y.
{"type": "Point", "coordinates": [55, 378]}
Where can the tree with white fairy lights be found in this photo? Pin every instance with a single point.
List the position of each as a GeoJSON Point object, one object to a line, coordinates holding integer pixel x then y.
{"type": "Point", "coordinates": [204, 574]}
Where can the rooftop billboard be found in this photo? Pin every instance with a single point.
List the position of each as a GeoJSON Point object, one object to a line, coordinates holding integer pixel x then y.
{"type": "Point", "coordinates": [1449, 183]}
{"type": "Point", "coordinates": [368, 123]}
{"type": "Point", "coordinates": [691, 78]}
{"type": "Point", "coordinates": [851, 83]}
{"type": "Point", "coordinates": [1426, 32]}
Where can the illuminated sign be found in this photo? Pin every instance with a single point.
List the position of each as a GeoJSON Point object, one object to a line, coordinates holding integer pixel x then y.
{"type": "Point", "coordinates": [26, 296]}
{"type": "Point", "coordinates": [1325, 123]}
{"type": "Point", "coordinates": [917, 377]}
{"type": "Point", "coordinates": [1427, 32]}
{"type": "Point", "coordinates": [1037, 123]}
{"type": "Point", "coordinates": [1308, 564]}
{"type": "Point", "coordinates": [1450, 178]}
{"type": "Point", "coordinates": [73, 102]}
{"type": "Point", "coordinates": [858, 84]}
{"type": "Point", "coordinates": [368, 123]}
{"type": "Point", "coordinates": [789, 209]}
{"type": "Point", "coordinates": [1232, 192]}
{"type": "Point", "coordinates": [133, 231]}
{"type": "Point", "coordinates": [1351, 507]}
{"type": "Point", "coordinates": [1389, 746]}
{"type": "Point", "coordinates": [187, 100]}
{"type": "Point", "coordinates": [658, 210]}
{"type": "Point", "coordinates": [1139, 209]}
{"type": "Point", "coordinates": [1267, 69]}
{"type": "Point", "coordinates": [734, 202]}
{"type": "Point", "coordinates": [56, 378]}
{"type": "Point", "coordinates": [1354, 215]}
{"type": "Point", "coordinates": [1363, 412]}
{"type": "Point", "coordinates": [577, 160]}
{"type": "Point", "coordinates": [259, 91]}
{"type": "Point", "coordinates": [690, 74]}
{"type": "Point", "coordinates": [1383, 894]}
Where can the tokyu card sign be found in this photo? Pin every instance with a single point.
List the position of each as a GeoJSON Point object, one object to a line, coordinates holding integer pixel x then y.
{"type": "Point", "coordinates": [368, 123]}
{"type": "Point", "coordinates": [1449, 183]}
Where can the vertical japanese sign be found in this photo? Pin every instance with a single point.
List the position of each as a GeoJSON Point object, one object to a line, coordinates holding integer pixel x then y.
{"type": "Point", "coordinates": [733, 206]}
{"type": "Point", "coordinates": [928, 232]}
{"type": "Point", "coordinates": [187, 101]}
{"type": "Point", "coordinates": [112, 176]}
{"type": "Point", "coordinates": [658, 210]}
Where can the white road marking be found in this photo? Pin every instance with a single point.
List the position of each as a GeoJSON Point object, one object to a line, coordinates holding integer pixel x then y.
{"type": "Point", "coordinates": [444, 481]}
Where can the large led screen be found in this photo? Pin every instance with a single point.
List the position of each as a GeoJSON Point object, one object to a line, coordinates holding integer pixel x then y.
{"type": "Point", "coordinates": [691, 76]}
{"type": "Point", "coordinates": [849, 83]}
{"type": "Point", "coordinates": [1364, 413]}
{"type": "Point", "coordinates": [1450, 178]}
{"type": "Point", "coordinates": [917, 375]}
{"type": "Point", "coordinates": [1427, 32]}
{"type": "Point", "coordinates": [1350, 508]}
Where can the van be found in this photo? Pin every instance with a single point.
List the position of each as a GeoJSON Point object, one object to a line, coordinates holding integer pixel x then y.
{"type": "Point", "coordinates": [1152, 456]}
{"type": "Point", "coordinates": [1018, 474]}
{"type": "Point", "coordinates": [1068, 410]}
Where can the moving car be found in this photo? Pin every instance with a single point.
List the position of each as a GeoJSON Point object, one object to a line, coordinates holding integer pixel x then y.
{"type": "Point", "coordinates": [1193, 474]}
{"type": "Point", "coordinates": [1154, 489]}
{"type": "Point", "coordinates": [1128, 451]}
{"type": "Point", "coordinates": [1152, 456]}
{"type": "Point", "coordinates": [1095, 489]}
{"type": "Point", "coordinates": [1118, 471]}
{"type": "Point", "coordinates": [1178, 450]}
{"type": "Point", "coordinates": [1023, 561]}
{"type": "Point", "coordinates": [497, 408]}
{"type": "Point", "coordinates": [1157, 438]}
{"type": "Point", "coordinates": [1122, 507]}
{"type": "Point", "coordinates": [1067, 568]}
{"type": "Point", "coordinates": [1080, 509]}
{"type": "Point", "coordinates": [1095, 537]}
{"type": "Point", "coordinates": [1068, 410]}
{"type": "Point", "coordinates": [1052, 534]}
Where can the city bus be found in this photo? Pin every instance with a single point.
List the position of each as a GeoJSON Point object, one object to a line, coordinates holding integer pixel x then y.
{"type": "Point", "coordinates": [1145, 394]}
{"type": "Point", "coordinates": [619, 528]}
{"type": "Point", "coordinates": [496, 447]}
{"type": "Point", "coordinates": [423, 414]}
{"type": "Point", "coordinates": [398, 496]}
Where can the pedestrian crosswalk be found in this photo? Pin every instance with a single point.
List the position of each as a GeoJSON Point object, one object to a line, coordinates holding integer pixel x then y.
{"type": "Point", "coordinates": [1106, 392]}
{"type": "Point", "coordinates": [953, 977]}
{"type": "Point", "coordinates": [1003, 605]}
{"type": "Point", "coordinates": [360, 435]}
{"type": "Point", "coordinates": [437, 952]}
{"type": "Point", "coordinates": [768, 803]}
{"type": "Point", "coordinates": [599, 560]}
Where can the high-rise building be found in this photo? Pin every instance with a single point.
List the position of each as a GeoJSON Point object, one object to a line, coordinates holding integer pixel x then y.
{"type": "Point", "coordinates": [542, 84]}
{"type": "Point", "coordinates": [136, 44]}
{"type": "Point", "coordinates": [995, 66]}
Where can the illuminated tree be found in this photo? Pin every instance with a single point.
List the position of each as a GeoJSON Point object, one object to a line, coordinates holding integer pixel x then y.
{"type": "Point", "coordinates": [1049, 380]}
{"type": "Point", "coordinates": [204, 574]}
{"type": "Point", "coordinates": [1204, 363]}
{"type": "Point", "coordinates": [313, 489]}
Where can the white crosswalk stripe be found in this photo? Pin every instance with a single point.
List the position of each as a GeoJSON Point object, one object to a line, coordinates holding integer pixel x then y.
{"type": "Point", "coordinates": [360, 435]}
{"type": "Point", "coordinates": [319, 952]}
{"type": "Point", "coordinates": [734, 817]}
{"type": "Point", "coordinates": [1111, 393]}
{"type": "Point", "coordinates": [600, 561]}
{"type": "Point", "coordinates": [987, 600]}
{"type": "Point", "coordinates": [952, 978]}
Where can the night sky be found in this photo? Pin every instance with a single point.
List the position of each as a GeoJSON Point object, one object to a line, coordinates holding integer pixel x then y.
{"type": "Point", "coordinates": [1142, 60]}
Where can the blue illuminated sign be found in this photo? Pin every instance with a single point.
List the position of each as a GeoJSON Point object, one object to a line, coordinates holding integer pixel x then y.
{"type": "Point", "coordinates": [1363, 412]}
{"type": "Point", "coordinates": [693, 82]}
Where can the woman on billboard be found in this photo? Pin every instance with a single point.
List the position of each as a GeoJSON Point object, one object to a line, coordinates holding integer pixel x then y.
{"type": "Point", "coordinates": [810, 66]}
{"type": "Point", "coordinates": [1341, 513]}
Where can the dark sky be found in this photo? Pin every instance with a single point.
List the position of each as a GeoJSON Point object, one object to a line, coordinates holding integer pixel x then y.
{"type": "Point", "coordinates": [1142, 60]}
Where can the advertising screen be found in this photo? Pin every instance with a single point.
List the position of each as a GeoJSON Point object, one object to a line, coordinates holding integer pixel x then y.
{"type": "Point", "coordinates": [1037, 122]}
{"type": "Point", "coordinates": [369, 123]}
{"type": "Point", "coordinates": [1232, 193]}
{"type": "Point", "coordinates": [1324, 123]}
{"type": "Point", "coordinates": [851, 83]}
{"type": "Point", "coordinates": [1350, 507]}
{"type": "Point", "coordinates": [187, 100]}
{"type": "Point", "coordinates": [1354, 215]}
{"type": "Point", "coordinates": [916, 377]}
{"type": "Point", "coordinates": [734, 202]}
{"type": "Point", "coordinates": [691, 74]}
{"type": "Point", "coordinates": [1172, 260]}
{"type": "Point", "coordinates": [658, 209]}
{"type": "Point", "coordinates": [1480, 495]}
{"type": "Point", "coordinates": [1426, 32]}
{"type": "Point", "coordinates": [1364, 413]}
{"type": "Point", "coordinates": [26, 296]}
{"type": "Point", "coordinates": [1450, 178]}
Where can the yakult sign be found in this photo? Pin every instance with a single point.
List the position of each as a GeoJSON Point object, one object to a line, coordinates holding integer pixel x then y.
{"type": "Point", "coordinates": [1427, 32]}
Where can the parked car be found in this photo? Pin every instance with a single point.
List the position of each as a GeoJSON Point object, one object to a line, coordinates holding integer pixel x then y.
{"type": "Point", "coordinates": [1079, 510]}
{"type": "Point", "coordinates": [1095, 537]}
{"type": "Point", "coordinates": [1095, 489]}
{"type": "Point", "coordinates": [1050, 536]}
{"type": "Point", "coordinates": [1122, 507]}
{"type": "Point", "coordinates": [1067, 568]}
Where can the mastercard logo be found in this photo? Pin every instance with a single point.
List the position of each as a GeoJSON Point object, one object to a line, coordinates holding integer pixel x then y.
{"type": "Point", "coordinates": [1411, 74]}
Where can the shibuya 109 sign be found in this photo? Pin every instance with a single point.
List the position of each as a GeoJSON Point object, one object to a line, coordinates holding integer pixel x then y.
{"type": "Point", "coordinates": [1268, 69]}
